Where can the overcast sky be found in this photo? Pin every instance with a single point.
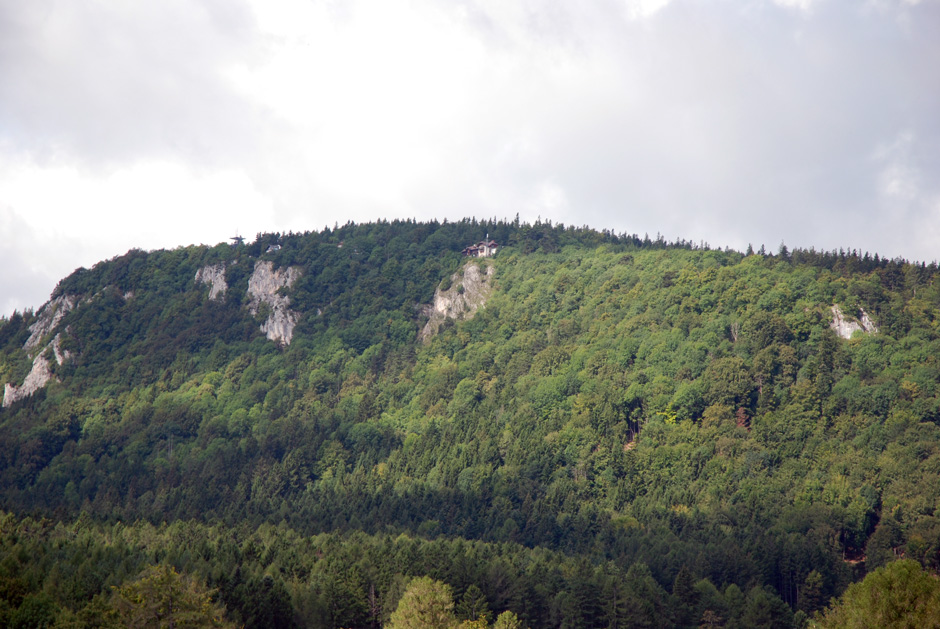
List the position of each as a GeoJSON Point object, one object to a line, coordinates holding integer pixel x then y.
{"type": "Point", "coordinates": [162, 124]}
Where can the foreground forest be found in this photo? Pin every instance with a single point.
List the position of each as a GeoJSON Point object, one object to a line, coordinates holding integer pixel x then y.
{"type": "Point", "coordinates": [629, 432]}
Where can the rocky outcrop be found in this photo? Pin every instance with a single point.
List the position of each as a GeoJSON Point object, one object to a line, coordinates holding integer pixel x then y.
{"type": "Point", "coordinates": [846, 327]}
{"type": "Point", "coordinates": [469, 289]}
{"type": "Point", "coordinates": [263, 293]}
{"type": "Point", "coordinates": [49, 317]}
{"type": "Point", "coordinates": [214, 276]}
{"type": "Point", "coordinates": [61, 355]}
{"type": "Point", "coordinates": [263, 288]}
{"type": "Point", "coordinates": [37, 378]}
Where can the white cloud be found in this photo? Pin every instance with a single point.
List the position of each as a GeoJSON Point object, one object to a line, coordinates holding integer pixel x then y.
{"type": "Point", "coordinates": [899, 177]}
{"type": "Point", "coordinates": [105, 84]}
{"type": "Point", "coordinates": [802, 5]}
{"type": "Point", "coordinates": [907, 197]}
{"type": "Point", "coordinates": [146, 205]}
{"type": "Point", "coordinates": [642, 9]}
{"type": "Point", "coordinates": [29, 264]}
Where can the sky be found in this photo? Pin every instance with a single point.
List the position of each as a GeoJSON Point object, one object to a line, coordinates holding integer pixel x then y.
{"type": "Point", "coordinates": [150, 125]}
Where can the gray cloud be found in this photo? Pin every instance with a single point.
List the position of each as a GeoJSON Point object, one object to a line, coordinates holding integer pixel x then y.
{"type": "Point", "coordinates": [30, 269]}
{"type": "Point", "coordinates": [101, 84]}
{"type": "Point", "coordinates": [749, 123]}
{"type": "Point", "coordinates": [807, 121]}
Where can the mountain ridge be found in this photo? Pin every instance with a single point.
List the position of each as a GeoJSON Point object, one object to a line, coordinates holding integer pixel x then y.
{"type": "Point", "coordinates": [653, 406]}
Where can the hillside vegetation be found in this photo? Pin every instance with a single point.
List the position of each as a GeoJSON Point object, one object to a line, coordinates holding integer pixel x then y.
{"type": "Point", "coordinates": [627, 433]}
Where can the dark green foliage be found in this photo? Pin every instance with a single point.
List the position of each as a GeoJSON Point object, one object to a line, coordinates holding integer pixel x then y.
{"type": "Point", "coordinates": [811, 597]}
{"type": "Point", "coordinates": [473, 605]}
{"type": "Point", "coordinates": [34, 612]}
{"type": "Point", "coordinates": [272, 576]}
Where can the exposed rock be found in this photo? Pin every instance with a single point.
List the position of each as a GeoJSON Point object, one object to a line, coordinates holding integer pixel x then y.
{"type": "Point", "coordinates": [845, 326]}
{"type": "Point", "coordinates": [469, 289]}
{"type": "Point", "coordinates": [61, 355]}
{"type": "Point", "coordinates": [49, 317]}
{"type": "Point", "coordinates": [37, 378]}
{"type": "Point", "coordinates": [867, 324]}
{"type": "Point", "coordinates": [279, 326]}
{"type": "Point", "coordinates": [263, 287]}
{"type": "Point", "coordinates": [214, 276]}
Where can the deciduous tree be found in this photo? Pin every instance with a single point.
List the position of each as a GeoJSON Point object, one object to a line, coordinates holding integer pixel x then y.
{"type": "Point", "coordinates": [426, 604]}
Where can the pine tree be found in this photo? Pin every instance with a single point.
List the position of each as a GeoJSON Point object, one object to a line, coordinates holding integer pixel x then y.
{"type": "Point", "coordinates": [473, 605]}
{"type": "Point", "coordinates": [683, 589]}
{"type": "Point", "coordinates": [811, 595]}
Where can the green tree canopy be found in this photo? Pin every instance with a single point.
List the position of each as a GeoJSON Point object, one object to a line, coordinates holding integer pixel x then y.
{"type": "Point", "coordinates": [507, 620]}
{"type": "Point", "coordinates": [161, 597]}
{"type": "Point", "coordinates": [426, 604]}
{"type": "Point", "coordinates": [901, 595]}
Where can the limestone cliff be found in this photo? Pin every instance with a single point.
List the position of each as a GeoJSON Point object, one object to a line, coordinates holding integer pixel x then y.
{"type": "Point", "coordinates": [214, 276]}
{"type": "Point", "coordinates": [37, 378]}
{"type": "Point", "coordinates": [845, 326]}
{"type": "Point", "coordinates": [49, 317]}
{"type": "Point", "coordinates": [61, 355]}
{"type": "Point", "coordinates": [469, 289]}
{"type": "Point", "coordinates": [263, 287]}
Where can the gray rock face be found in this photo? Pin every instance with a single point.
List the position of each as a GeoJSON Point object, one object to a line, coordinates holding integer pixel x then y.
{"type": "Point", "coordinates": [49, 317]}
{"type": "Point", "coordinates": [470, 287]}
{"type": "Point", "coordinates": [263, 287]}
{"type": "Point", "coordinates": [37, 378]}
{"type": "Point", "coordinates": [61, 355]}
{"type": "Point", "coordinates": [867, 324]}
{"type": "Point", "coordinates": [214, 276]}
{"type": "Point", "coordinates": [846, 327]}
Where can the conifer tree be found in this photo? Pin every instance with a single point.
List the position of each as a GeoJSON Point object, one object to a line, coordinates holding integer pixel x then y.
{"type": "Point", "coordinates": [161, 597]}
{"type": "Point", "coordinates": [473, 605]}
{"type": "Point", "coordinates": [811, 594]}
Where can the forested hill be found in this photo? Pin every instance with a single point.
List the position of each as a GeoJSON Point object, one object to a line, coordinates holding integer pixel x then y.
{"type": "Point", "coordinates": [608, 431]}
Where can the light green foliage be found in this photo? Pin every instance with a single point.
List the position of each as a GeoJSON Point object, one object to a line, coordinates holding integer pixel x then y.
{"type": "Point", "coordinates": [160, 598]}
{"type": "Point", "coordinates": [426, 604]}
{"type": "Point", "coordinates": [507, 620]}
{"type": "Point", "coordinates": [900, 595]}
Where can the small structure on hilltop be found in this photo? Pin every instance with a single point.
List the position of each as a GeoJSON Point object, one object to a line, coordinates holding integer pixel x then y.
{"type": "Point", "coordinates": [483, 249]}
{"type": "Point", "coordinates": [237, 240]}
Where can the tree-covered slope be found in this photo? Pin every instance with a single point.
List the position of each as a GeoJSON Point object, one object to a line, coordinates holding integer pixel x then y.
{"type": "Point", "coordinates": [631, 407]}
